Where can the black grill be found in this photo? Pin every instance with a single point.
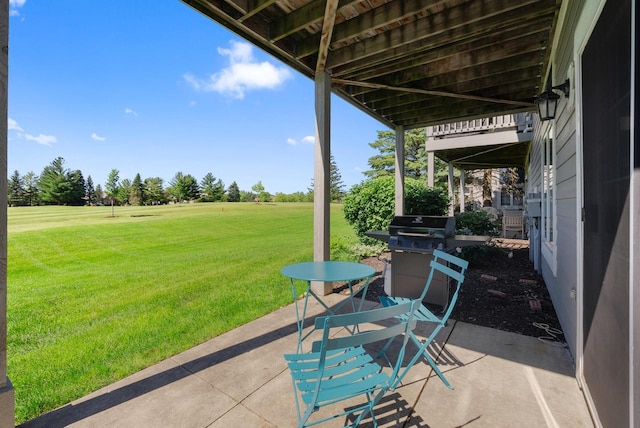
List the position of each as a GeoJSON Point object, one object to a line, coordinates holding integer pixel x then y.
{"type": "Point", "coordinates": [412, 240]}
{"type": "Point", "coordinates": [420, 233]}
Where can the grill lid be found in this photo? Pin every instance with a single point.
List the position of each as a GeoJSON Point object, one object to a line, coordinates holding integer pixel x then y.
{"type": "Point", "coordinates": [423, 226]}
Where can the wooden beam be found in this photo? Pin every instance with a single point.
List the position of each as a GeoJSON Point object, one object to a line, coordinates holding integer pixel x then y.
{"type": "Point", "coordinates": [255, 6]}
{"type": "Point", "coordinates": [7, 394]}
{"type": "Point", "coordinates": [436, 93]}
{"type": "Point", "coordinates": [301, 18]}
{"type": "Point", "coordinates": [399, 171]}
{"type": "Point", "coordinates": [473, 15]}
{"type": "Point", "coordinates": [330, 10]}
{"type": "Point", "coordinates": [321, 177]}
{"type": "Point", "coordinates": [436, 48]}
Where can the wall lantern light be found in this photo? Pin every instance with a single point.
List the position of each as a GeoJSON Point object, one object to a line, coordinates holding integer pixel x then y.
{"type": "Point", "coordinates": [547, 102]}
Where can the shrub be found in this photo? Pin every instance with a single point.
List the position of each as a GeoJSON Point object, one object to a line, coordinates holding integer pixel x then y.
{"type": "Point", "coordinates": [477, 222]}
{"type": "Point", "coordinates": [370, 205]}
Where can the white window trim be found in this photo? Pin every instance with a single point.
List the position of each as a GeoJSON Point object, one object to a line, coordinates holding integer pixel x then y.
{"type": "Point", "coordinates": [548, 248]}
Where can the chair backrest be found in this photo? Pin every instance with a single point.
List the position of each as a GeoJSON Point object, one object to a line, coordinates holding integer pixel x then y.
{"type": "Point", "coordinates": [400, 325]}
{"type": "Point", "coordinates": [444, 262]}
{"type": "Point", "coordinates": [441, 263]}
{"type": "Point", "coordinates": [512, 221]}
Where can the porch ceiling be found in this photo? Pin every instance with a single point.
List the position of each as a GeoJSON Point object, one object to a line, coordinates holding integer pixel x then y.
{"type": "Point", "coordinates": [495, 156]}
{"type": "Point", "coordinates": [407, 63]}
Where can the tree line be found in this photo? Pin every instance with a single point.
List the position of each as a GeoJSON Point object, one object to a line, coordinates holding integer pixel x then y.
{"type": "Point", "coordinates": [58, 185]}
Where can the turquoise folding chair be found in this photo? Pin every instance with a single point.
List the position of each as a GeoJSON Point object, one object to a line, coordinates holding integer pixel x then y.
{"type": "Point", "coordinates": [438, 264]}
{"type": "Point", "coordinates": [339, 368]}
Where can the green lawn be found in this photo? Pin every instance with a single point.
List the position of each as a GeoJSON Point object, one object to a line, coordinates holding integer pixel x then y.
{"type": "Point", "coordinates": [93, 298]}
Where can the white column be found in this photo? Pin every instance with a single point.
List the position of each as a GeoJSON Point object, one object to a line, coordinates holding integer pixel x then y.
{"type": "Point", "coordinates": [431, 165]}
{"type": "Point", "coordinates": [431, 160]}
{"type": "Point", "coordinates": [452, 195]}
{"type": "Point", "coordinates": [462, 190]}
{"type": "Point", "coordinates": [7, 408]}
{"type": "Point", "coordinates": [321, 176]}
{"type": "Point", "coordinates": [399, 200]}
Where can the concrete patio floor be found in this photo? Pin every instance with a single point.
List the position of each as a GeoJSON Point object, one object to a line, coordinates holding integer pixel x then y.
{"type": "Point", "coordinates": [240, 379]}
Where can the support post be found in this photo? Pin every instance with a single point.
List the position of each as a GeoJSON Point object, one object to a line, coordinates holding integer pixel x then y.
{"type": "Point", "coordinates": [7, 399]}
{"type": "Point", "coordinates": [461, 190]}
{"type": "Point", "coordinates": [431, 165]}
{"type": "Point", "coordinates": [321, 176]}
{"type": "Point", "coordinates": [431, 160]}
{"type": "Point", "coordinates": [399, 171]}
{"type": "Point", "coordinates": [452, 195]}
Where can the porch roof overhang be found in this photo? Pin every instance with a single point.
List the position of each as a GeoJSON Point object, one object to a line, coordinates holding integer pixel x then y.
{"type": "Point", "coordinates": [408, 63]}
{"type": "Point", "coordinates": [483, 151]}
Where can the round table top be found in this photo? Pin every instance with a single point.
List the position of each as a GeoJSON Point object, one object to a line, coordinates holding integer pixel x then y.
{"type": "Point", "coordinates": [328, 271]}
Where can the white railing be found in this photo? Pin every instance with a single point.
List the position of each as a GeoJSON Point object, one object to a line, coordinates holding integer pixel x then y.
{"type": "Point", "coordinates": [522, 121]}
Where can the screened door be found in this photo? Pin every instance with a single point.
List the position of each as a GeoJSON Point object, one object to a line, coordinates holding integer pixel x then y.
{"type": "Point", "coordinates": [606, 106]}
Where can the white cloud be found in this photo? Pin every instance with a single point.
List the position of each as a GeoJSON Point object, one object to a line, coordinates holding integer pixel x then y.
{"type": "Point", "coordinates": [13, 5]}
{"type": "Point", "coordinates": [13, 125]}
{"type": "Point", "coordinates": [97, 137]}
{"type": "Point", "coordinates": [291, 141]}
{"type": "Point", "coordinates": [130, 112]}
{"type": "Point", "coordinates": [244, 73]}
{"type": "Point", "coordinates": [309, 139]}
{"type": "Point", "coordinates": [45, 140]}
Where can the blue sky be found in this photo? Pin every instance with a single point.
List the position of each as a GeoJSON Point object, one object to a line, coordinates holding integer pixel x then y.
{"type": "Point", "coordinates": [154, 87]}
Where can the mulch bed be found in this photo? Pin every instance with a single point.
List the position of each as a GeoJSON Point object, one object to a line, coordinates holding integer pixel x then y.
{"type": "Point", "coordinates": [500, 291]}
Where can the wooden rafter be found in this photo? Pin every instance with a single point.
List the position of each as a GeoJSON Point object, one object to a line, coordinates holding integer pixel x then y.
{"type": "Point", "coordinates": [407, 62]}
{"type": "Point", "coordinates": [328, 22]}
{"type": "Point", "coordinates": [435, 93]}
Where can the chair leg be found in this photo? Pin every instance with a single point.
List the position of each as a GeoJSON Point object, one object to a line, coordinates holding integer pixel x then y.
{"type": "Point", "coordinates": [422, 352]}
{"type": "Point", "coordinates": [384, 349]}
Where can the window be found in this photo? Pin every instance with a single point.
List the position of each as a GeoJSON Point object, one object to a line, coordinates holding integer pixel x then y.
{"type": "Point", "coordinates": [548, 189]}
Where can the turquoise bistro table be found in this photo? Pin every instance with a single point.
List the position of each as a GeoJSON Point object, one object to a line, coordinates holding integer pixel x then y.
{"type": "Point", "coordinates": [327, 271]}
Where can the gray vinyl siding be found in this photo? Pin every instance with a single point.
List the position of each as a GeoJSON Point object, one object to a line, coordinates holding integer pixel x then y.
{"type": "Point", "coordinates": [561, 284]}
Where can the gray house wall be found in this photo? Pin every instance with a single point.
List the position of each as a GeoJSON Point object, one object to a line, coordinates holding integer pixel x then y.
{"type": "Point", "coordinates": [563, 262]}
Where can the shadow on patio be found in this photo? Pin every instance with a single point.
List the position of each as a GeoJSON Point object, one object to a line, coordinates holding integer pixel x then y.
{"type": "Point", "coordinates": [240, 378]}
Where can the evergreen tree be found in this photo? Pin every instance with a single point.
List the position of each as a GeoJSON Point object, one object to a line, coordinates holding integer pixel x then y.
{"type": "Point", "coordinates": [336, 187]}
{"type": "Point", "coordinates": [136, 196]}
{"type": "Point", "coordinates": [99, 195]}
{"type": "Point", "coordinates": [233, 192]}
{"type": "Point", "coordinates": [415, 160]}
{"type": "Point", "coordinates": [153, 191]}
{"type": "Point", "coordinates": [77, 194]}
{"type": "Point", "coordinates": [59, 186]}
{"type": "Point", "coordinates": [183, 187]}
{"type": "Point", "coordinates": [211, 189]}
{"type": "Point", "coordinates": [16, 191]}
{"type": "Point", "coordinates": [90, 191]}
{"type": "Point", "coordinates": [30, 182]}
{"type": "Point", "coordinates": [124, 192]}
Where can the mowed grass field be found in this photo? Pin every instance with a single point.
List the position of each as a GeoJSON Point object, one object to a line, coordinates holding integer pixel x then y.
{"type": "Point", "coordinates": [93, 298]}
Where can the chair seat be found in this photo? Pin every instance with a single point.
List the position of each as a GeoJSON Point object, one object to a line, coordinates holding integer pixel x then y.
{"type": "Point", "coordinates": [444, 263]}
{"type": "Point", "coordinates": [338, 367]}
{"type": "Point", "coordinates": [422, 314]}
{"type": "Point", "coordinates": [347, 373]}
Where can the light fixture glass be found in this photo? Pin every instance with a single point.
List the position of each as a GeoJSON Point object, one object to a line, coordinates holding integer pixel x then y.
{"type": "Point", "coordinates": [547, 102]}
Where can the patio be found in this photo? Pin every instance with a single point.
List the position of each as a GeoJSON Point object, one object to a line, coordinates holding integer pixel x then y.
{"type": "Point", "coordinates": [240, 378]}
